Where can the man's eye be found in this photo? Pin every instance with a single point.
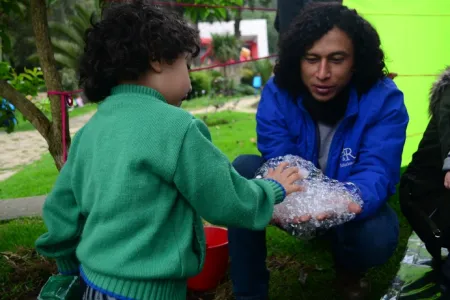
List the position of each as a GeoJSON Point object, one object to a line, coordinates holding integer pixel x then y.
{"type": "Point", "coordinates": [311, 59]}
{"type": "Point", "coordinates": [337, 59]}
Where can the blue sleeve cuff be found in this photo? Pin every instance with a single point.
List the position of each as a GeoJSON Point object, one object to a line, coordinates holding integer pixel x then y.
{"type": "Point", "coordinates": [280, 186]}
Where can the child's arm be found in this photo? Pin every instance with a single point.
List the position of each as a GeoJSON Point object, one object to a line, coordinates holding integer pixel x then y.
{"type": "Point", "coordinates": [205, 177]}
{"type": "Point", "coordinates": [64, 224]}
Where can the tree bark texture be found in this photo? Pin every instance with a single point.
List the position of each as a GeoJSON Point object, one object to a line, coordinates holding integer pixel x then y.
{"type": "Point", "coordinates": [52, 79]}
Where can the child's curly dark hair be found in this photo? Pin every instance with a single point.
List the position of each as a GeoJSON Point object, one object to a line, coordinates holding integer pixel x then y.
{"type": "Point", "coordinates": [311, 25]}
{"type": "Point", "coordinates": [121, 46]}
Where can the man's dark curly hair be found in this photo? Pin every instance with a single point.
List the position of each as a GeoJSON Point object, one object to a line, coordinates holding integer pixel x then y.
{"type": "Point", "coordinates": [311, 25]}
{"type": "Point", "coordinates": [129, 37]}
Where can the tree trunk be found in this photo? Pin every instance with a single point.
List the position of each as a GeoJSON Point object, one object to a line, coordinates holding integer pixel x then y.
{"type": "Point", "coordinates": [237, 24]}
{"type": "Point", "coordinates": [51, 77]}
{"type": "Point", "coordinates": [197, 60]}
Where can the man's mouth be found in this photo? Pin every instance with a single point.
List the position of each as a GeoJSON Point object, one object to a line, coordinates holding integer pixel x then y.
{"type": "Point", "coordinates": [323, 89]}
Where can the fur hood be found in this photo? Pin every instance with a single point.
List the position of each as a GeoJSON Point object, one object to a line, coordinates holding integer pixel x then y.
{"type": "Point", "coordinates": [438, 87]}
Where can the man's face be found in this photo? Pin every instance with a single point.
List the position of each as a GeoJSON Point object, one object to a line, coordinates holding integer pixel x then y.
{"type": "Point", "coordinates": [327, 67]}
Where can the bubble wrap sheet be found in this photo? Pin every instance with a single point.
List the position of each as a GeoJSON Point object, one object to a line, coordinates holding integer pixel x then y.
{"type": "Point", "coordinates": [322, 195]}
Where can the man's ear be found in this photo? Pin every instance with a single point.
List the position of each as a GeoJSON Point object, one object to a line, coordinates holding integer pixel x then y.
{"type": "Point", "coordinates": [156, 66]}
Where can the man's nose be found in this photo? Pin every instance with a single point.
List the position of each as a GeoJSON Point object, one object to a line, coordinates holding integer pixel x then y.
{"type": "Point", "coordinates": [323, 71]}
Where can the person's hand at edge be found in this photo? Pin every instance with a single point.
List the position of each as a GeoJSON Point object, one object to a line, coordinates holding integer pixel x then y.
{"type": "Point", "coordinates": [447, 180]}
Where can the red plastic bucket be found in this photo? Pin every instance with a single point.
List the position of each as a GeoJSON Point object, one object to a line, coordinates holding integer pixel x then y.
{"type": "Point", "coordinates": [216, 260]}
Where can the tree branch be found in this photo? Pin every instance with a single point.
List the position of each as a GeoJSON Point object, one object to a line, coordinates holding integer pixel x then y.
{"type": "Point", "coordinates": [27, 108]}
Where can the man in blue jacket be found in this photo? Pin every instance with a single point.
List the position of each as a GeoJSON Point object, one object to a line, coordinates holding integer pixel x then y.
{"type": "Point", "coordinates": [330, 102]}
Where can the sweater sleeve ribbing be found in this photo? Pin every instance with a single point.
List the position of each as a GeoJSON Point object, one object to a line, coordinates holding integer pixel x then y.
{"type": "Point", "coordinates": [206, 178]}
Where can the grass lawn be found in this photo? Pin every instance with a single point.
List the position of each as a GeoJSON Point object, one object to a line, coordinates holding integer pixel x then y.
{"type": "Point", "coordinates": [233, 133]}
{"type": "Point", "coordinates": [206, 101]}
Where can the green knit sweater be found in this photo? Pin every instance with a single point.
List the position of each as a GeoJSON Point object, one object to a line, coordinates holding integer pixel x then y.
{"type": "Point", "coordinates": [126, 206]}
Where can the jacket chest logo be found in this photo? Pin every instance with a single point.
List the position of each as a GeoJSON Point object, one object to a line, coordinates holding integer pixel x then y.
{"type": "Point", "coordinates": [347, 157]}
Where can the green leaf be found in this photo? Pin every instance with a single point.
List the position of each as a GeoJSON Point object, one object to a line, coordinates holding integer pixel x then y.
{"type": "Point", "coordinates": [27, 76]}
{"type": "Point", "coordinates": [221, 13]}
{"type": "Point", "coordinates": [203, 14]}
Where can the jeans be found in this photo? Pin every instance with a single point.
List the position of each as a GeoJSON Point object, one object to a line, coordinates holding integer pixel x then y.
{"type": "Point", "coordinates": [356, 246]}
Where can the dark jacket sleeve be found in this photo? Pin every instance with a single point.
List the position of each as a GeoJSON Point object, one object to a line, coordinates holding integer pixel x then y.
{"type": "Point", "coordinates": [444, 127]}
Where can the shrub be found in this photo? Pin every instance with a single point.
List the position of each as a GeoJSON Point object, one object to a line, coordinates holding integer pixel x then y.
{"type": "Point", "coordinates": [69, 79]}
{"type": "Point", "coordinates": [214, 74]}
{"type": "Point", "coordinates": [201, 83]}
{"type": "Point", "coordinates": [223, 86]}
{"type": "Point", "coordinates": [263, 67]}
{"type": "Point", "coordinates": [247, 75]}
{"type": "Point", "coordinates": [245, 90]}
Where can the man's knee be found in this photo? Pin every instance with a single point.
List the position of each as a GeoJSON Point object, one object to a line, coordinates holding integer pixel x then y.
{"type": "Point", "coordinates": [247, 165]}
{"type": "Point", "coordinates": [369, 243]}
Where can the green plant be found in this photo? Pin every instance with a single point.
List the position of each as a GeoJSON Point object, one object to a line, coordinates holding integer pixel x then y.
{"type": "Point", "coordinates": [68, 38]}
{"type": "Point", "coordinates": [213, 74]}
{"type": "Point", "coordinates": [9, 9]}
{"type": "Point", "coordinates": [247, 75]}
{"type": "Point", "coordinates": [201, 83]}
{"type": "Point", "coordinates": [263, 67]}
{"type": "Point", "coordinates": [28, 83]}
{"type": "Point", "coordinates": [244, 90]}
{"type": "Point", "coordinates": [69, 79]}
{"type": "Point", "coordinates": [44, 105]}
{"type": "Point", "coordinates": [223, 86]}
{"type": "Point", "coordinates": [197, 14]}
{"type": "Point", "coordinates": [225, 47]}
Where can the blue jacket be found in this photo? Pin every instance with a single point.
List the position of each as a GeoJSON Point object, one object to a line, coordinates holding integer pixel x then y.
{"type": "Point", "coordinates": [366, 148]}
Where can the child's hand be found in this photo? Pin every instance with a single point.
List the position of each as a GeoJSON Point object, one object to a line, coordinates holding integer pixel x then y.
{"type": "Point", "coordinates": [447, 180]}
{"type": "Point", "coordinates": [286, 177]}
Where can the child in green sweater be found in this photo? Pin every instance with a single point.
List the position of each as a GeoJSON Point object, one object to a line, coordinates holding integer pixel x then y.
{"type": "Point", "coordinates": [125, 210]}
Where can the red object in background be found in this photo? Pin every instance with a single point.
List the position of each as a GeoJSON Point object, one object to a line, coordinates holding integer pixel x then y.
{"type": "Point", "coordinates": [392, 75]}
{"type": "Point", "coordinates": [216, 260]}
{"type": "Point", "coordinates": [253, 49]}
{"type": "Point", "coordinates": [207, 55]}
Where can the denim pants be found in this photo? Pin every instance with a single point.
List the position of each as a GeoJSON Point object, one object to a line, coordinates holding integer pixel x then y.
{"type": "Point", "coordinates": [356, 246]}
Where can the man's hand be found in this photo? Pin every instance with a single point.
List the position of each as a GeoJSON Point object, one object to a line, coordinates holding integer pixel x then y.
{"type": "Point", "coordinates": [447, 180]}
{"type": "Point", "coordinates": [352, 208]}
